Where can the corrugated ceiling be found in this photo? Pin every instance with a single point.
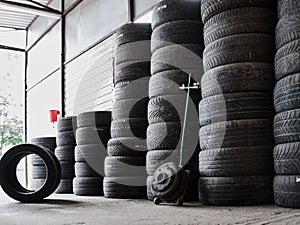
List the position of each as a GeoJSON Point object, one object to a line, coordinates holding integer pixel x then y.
{"type": "Point", "coordinates": [18, 20]}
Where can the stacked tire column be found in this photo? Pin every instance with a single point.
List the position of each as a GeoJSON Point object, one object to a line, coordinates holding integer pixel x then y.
{"type": "Point", "coordinates": [39, 171]}
{"type": "Point", "coordinates": [64, 152]}
{"type": "Point", "coordinates": [125, 166]}
{"type": "Point", "coordinates": [92, 135]}
{"type": "Point", "coordinates": [177, 47]}
{"type": "Point", "coordinates": [127, 148]}
{"type": "Point", "coordinates": [236, 112]}
{"type": "Point", "coordinates": [287, 105]}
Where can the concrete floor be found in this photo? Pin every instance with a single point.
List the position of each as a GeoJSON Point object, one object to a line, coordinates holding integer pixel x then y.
{"type": "Point", "coordinates": [72, 210]}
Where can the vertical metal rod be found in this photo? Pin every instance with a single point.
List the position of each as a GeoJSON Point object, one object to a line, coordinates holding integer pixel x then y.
{"type": "Point", "coordinates": [25, 108]}
{"type": "Point", "coordinates": [184, 120]}
{"type": "Point", "coordinates": [63, 57]}
{"type": "Point", "coordinates": [130, 11]}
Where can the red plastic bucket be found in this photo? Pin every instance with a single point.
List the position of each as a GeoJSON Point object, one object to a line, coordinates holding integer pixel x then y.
{"type": "Point", "coordinates": [54, 115]}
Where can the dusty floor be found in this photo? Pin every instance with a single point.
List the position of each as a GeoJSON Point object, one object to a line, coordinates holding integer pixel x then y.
{"type": "Point", "coordinates": [69, 209]}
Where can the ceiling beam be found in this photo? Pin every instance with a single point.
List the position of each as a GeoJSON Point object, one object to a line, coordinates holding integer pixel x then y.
{"type": "Point", "coordinates": [12, 48]}
{"type": "Point", "coordinates": [30, 9]}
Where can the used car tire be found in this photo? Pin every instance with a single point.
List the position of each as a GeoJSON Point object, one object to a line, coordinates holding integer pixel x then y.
{"type": "Point", "coordinates": [238, 77]}
{"type": "Point", "coordinates": [9, 181]}
{"type": "Point", "coordinates": [236, 191]}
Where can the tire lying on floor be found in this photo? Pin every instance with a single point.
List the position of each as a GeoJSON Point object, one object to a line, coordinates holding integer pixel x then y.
{"type": "Point", "coordinates": [9, 181]}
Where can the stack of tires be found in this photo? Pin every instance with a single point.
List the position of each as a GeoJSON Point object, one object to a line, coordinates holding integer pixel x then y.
{"type": "Point", "coordinates": [64, 152]}
{"type": "Point", "coordinates": [39, 171]}
{"type": "Point", "coordinates": [177, 48]}
{"type": "Point", "coordinates": [92, 135]}
{"type": "Point", "coordinates": [236, 113]}
{"type": "Point", "coordinates": [125, 165]}
{"type": "Point", "coordinates": [287, 105]}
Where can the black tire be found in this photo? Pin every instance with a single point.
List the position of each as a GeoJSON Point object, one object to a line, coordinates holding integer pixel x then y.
{"type": "Point", "coordinates": [132, 89]}
{"type": "Point", "coordinates": [65, 153]}
{"type": "Point", "coordinates": [129, 128]}
{"type": "Point", "coordinates": [287, 159]}
{"type": "Point", "coordinates": [167, 135]}
{"type": "Point", "coordinates": [66, 138]}
{"type": "Point", "coordinates": [132, 71]}
{"type": "Point", "coordinates": [238, 133]}
{"type": "Point", "coordinates": [130, 108]}
{"type": "Point", "coordinates": [65, 187]}
{"type": "Point", "coordinates": [236, 191]}
{"type": "Point", "coordinates": [243, 161]}
{"type": "Point", "coordinates": [287, 127]}
{"type": "Point", "coordinates": [287, 93]}
{"type": "Point", "coordinates": [169, 83]}
{"type": "Point", "coordinates": [185, 57]}
{"type": "Point", "coordinates": [171, 108]}
{"type": "Point", "coordinates": [239, 21]}
{"type": "Point", "coordinates": [236, 106]}
{"type": "Point", "coordinates": [121, 166]}
{"type": "Point", "coordinates": [83, 169]}
{"type": "Point", "coordinates": [170, 10]}
{"type": "Point", "coordinates": [127, 147]}
{"type": "Point", "coordinates": [177, 32]}
{"type": "Point", "coordinates": [209, 8]}
{"type": "Point", "coordinates": [287, 191]}
{"type": "Point", "coordinates": [238, 77]}
{"type": "Point", "coordinates": [39, 172]}
{"type": "Point", "coordinates": [159, 157]}
{"type": "Point", "coordinates": [113, 188]}
{"type": "Point", "coordinates": [287, 60]}
{"type": "Point", "coordinates": [94, 119]}
{"type": "Point", "coordinates": [36, 161]}
{"type": "Point", "coordinates": [133, 32]}
{"type": "Point", "coordinates": [67, 169]}
{"type": "Point", "coordinates": [48, 142]}
{"type": "Point", "coordinates": [287, 30]}
{"type": "Point", "coordinates": [93, 154]}
{"type": "Point", "coordinates": [288, 7]}
{"type": "Point", "coordinates": [88, 186]}
{"type": "Point", "coordinates": [134, 52]}
{"type": "Point", "coordinates": [93, 135]}
{"type": "Point", "coordinates": [67, 124]}
{"type": "Point", "coordinates": [239, 48]}
{"type": "Point", "coordinates": [9, 181]}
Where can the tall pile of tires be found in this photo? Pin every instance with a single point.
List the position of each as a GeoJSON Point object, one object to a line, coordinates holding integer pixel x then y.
{"type": "Point", "coordinates": [125, 165]}
{"type": "Point", "coordinates": [92, 135]}
{"type": "Point", "coordinates": [287, 105]}
{"type": "Point", "coordinates": [64, 152]}
{"type": "Point", "coordinates": [177, 48]}
{"type": "Point", "coordinates": [236, 113]}
{"type": "Point", "coordinates": [39, 171]}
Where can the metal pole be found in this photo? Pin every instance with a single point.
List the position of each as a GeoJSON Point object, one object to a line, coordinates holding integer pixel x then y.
{"type": "Point", "coordinates": [63, 57]}
{"type": "Point", "coordinates": [25, 109]}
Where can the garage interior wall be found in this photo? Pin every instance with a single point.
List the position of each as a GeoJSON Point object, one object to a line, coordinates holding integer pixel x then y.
{"type": "Point", "coordinates": [86, 81]}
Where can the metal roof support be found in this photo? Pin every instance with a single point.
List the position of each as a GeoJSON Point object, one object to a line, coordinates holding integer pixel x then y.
{"type": "Point", "coordinates": [30, 9]}
{"type": "Point", "coordinates": [63, 58]}
{"type": "Point", "coordinates": [12, 48]}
